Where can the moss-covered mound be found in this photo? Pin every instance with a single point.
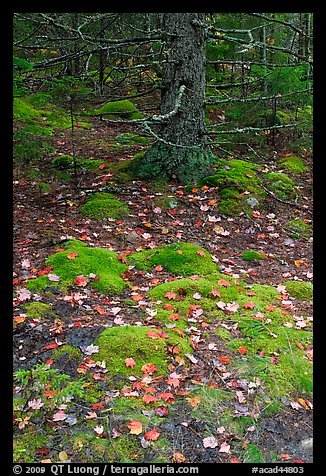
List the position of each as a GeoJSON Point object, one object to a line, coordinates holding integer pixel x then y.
{"type": "Point", "coordinates": [129, 138]}
{"type": "Point", "coordinates": [233, 177]}
{"type": "Point", "coordinates": [300, 290]}
{"type": "Point", "coordinates": [300, 229]}
{"type": "Point", "coordinates": [252, 255]}
{"type": "Point", "coordinates": [282, 185]}
{"type": "Point", "coordinates": [38, 310]}
{"type": "Point", "coordinates": [124, 109]}
{"type": "Point", "coordinates": [104, 205]}
{"type": "Point", "coordinates": [117, 344]}
{"type": "Point", "coordinates": [95, 261]}
{"type": "Point", "coordinates": [293, 164]}
{"type": "Point", "coordinates": [181, 259]}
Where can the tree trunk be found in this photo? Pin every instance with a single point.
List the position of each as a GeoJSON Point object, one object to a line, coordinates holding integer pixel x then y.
{"type": "Point", "coordinates": [180, 151]}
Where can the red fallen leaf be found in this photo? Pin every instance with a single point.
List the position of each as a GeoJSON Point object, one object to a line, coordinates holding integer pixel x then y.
{"type": "Point", "coordinates": [122, 259]}
{"type": "Point", "coordinates": [150, 390]}
{"type": "Point", "coordinates": [173, 349]}
{"type": "Point", "coordinates": [130, 362]}
{"type": "Point", "coordinates": [224, 283]}
{"type": "Point", "coordinates": [300, 345]}
{"type": "Point", "coordinates": [49, 362]}
{"type": "Point", "coordinates": [161, 410]}
{"type": "Point", "coordinates": [215, 293]}
{"type": "Point", "coordinates": [100, 310]}
{"type": "Point", "coordinates": [242, 350]}
{"type": "Point", "coordinates": [42, 451]}
{"type": "Point", "coordinates": [149, 399]}
{"type": "Point", "coordinates": [250, 293]}
{"type": "Point", "coordinates": [200, 253]}
{"type": "Point", "coordinates": [170, 295]}
{"type": "Point", "coordinates": [297, 461]}
{"type": "Point", "coordinates": [168, 397]}
{"type": "Point", "coordinates": [138, 385]}
{"type": "Point", "coordinates": [49, 393]}
{"type": "Point", "coordinates": [285, 457]}
{"type": "Point", "coordinates": [193, 307]}
{"type": "Point", "coordinates": [149, 368]}
{"type": "Point", "coordinates": [168, 307]}
{"type": "Point", "coordinates": [102, 166]}
{"type": "Point", "coordinates": [84, 238]}
{"type": "Point", "coordinates": [270, 308]}
{"type": "Point", "coordinates": [80, 281]}
{"type": "Point", "coordinates": [45, 271]}
{"type": "Point", "coordinates": [158, 268]}
{"type": "Point", "coordinates": [224, 359]}
{"type": "Point", "coordinates": [179, 251]}
{"type": "Point", "coordinates": [50, 346]}
{"type": "Point", "coordinates": [152, 435]}
{"type": "Point", "coordinates": [249, 305]}
{"type": "Point", "coordinates": [72, 255]}
{"type": "Point", "coordinates": [174, 382]}
{"type": "Point", "coordinates": [174, 317]}
{"type": "Point", "coordinates": [275, 360]}
{"type": "Point", "coordinates": [137, 297]}
{"type": "Point", "coordinates": [97, 406]}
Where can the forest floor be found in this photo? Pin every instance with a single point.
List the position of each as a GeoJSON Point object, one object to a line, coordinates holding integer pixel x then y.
{"type": "Point", "coordinates": [186, 419]}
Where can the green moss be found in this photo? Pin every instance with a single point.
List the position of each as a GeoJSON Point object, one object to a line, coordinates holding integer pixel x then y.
{"type": "Point", "coordinates": [125, 449]}
{"type": "Point", "coordinates": [129, 138]}
{"type": "Point", "coordinates": [124, 109]}
{"type": "Point", "coordinates": [62, 160]}
{"type": "Point", "coordinates": [23, 111]}
{"type": "Point", "coordinates": [101, 262]}
{"type": "Point", "coordinates": [121, 172]}
{"type": "Point", "coordinates": [26, 444]}
{"type": "Point", "coordinates": [38, 310]}
{"type": "Point", "coordinates": [292, 373]}
{"type": "Point", "coordinates": [253, 455]}
{"type": "Point", "coordinates": [300, 290]}
{"type": "Point", "coordinates": [180, 259]}
{"type": "Point", "coordinates": [68, 352]}
{"type": "Point", "coordinates": [230, 207]}
{"type": "Point", "coordinates": [251, 255]}
{"type": "Point", "coordinates": [300, 229]}
{"type": "Point", "coordinates": [223, 333]}
{"type": "Point", "coordinates": [93, 393]}
{"type": "Point", "coordinates": [282, 185]}
{"type": "Point", "coordinates": [119, 343]}
{"type": "Point", "coordinates": [293, 164]}
{"type": "Point", "coordinates": [42, 187]}
{"type": "Point", "coordinates": [88, 448]}
{"type": "Point", "coordinates": [104, 206]}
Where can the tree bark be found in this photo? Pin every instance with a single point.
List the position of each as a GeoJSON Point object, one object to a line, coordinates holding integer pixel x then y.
{"type": "Point", "coordinates": [181, 152]}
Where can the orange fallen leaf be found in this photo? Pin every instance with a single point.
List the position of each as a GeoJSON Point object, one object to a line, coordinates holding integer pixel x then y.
{"type": "Point", "coordinates": [149, 399]}
{"type": "Point", "coordinates": [72, 255]}
{"type": "Point", "coordinates": [224, 283]}
{"type": "Point", "coordinates": [194, 401]}
{"type": "Point", "coordinates": [135, 427]}
{"type": "Point", "coordinates": [200, 253]}
{"type": "Point", "coordinates": [178, 457]}
{"type": "Point", "coordinates": [152, 435]}
{"type": "Point", "coordinates": [149, 368]}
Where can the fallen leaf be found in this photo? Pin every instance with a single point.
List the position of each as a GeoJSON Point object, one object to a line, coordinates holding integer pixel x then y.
{"type": "Point", "coordinates": [194, 401]}
{"type": "Point", "coordinates": [130, 362]}
{"type": "Point", "coordinates": [224, 448]}
{"type": "Point", "coordinates": [210, 442]}
{"type": "Point", "coordinates": [149, 399]}
{"type": "Point", "coordinates": [178, 457]}
{"type": "Point", "coordinates": [200, 253]}
{"type": "Point", "coordinates": [80, 281]}
{"type": "Point", "coordinates": [224, 283]}
{"type": "Point", "coordinates": [59, 416]}
{"type": "Point", "coordinates": [72, 255]}
{"type": "Point", "coordinates": [135, 427]}
{"type": "Point", "coordinates": [152, 435]}
{"type": "Point", "coordinates": [149, 368]}
{"type": "Point", "coordinates": [170, 295]}
{"type": "Point", "coordinates": [63, 456]}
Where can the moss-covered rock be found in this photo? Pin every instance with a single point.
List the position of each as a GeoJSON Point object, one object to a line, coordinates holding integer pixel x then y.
{"type": "Point", "coordinates": [38, 310]}
{"type": "Point", "coordinates": [104, 205]}
{"type": "Point", "coordinates": [129, 138]}
{"type": "Point", "coordinates": [67, 352]}
{"type": "Point", "coordinates": [124, 109]}
{"type": "Point", "coordinates": [181, 259]}
{"type": "Point", "coordinates": [252, 255]}
{"type": "Point", "coordinates": [119, 343]}
{"type": "Point", "coordinates": [62, 160]}
{"type": "Point", "coordinates": [300, 290]}
{"type": "Point", "coordinates": [293, 164]}
{"type": "Point", "coordinates": [233, 177]}
{"type": "Point", "coordinates": [100, 262]}
{"type": "Point", "coordinates": [282, 185]}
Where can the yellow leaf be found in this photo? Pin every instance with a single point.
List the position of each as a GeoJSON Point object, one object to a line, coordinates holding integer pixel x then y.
{"type": "Point", "coordinates": [303, 403]}
{"type": "Point", "coordinates": [178, 457]}
{"type": "Point", "coordinates": [63, 456]}
{"type": "Point", "coordinates": [194, 401]}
